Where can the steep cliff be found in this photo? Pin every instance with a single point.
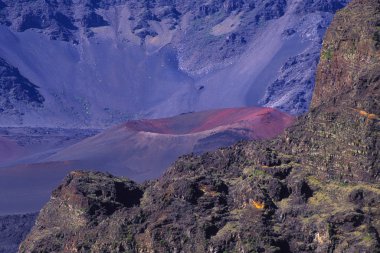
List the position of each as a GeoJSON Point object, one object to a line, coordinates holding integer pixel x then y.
{"type": "Point", "coordinates": [314, 189]}
{"type": "Point", "coordinates": [350, 57]}
{"type": "Point", "coordinates": [345, 106]}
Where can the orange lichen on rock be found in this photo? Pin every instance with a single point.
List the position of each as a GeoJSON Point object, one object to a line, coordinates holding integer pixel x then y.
{"type": "Point", "coordinates": [367, 115]}
{"type": "Point", "coordinates": [257, 205]}
{"type": "Point", "coordinates": [372, 116]}
{"type": "Point", "coordinates": [363, 113]}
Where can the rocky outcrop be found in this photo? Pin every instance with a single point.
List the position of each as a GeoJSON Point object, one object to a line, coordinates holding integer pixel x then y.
{"type": "Point", "coordinates": [235, 199]}
{"type": "Point", "coordinates": [16, 90]}
{"type": "Point", "coordinates": [291, 86]}
{"type": "Point", "coordinates": [347, 91]}
{"type": "Point", "coordinates": [350, 58]}
{"type": "Point", "coordinates": [314, 189]}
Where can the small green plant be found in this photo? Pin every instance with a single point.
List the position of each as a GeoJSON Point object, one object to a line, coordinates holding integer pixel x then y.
{"type": "Point", "coordinates": [327, 54]}
{"type": "Point", "coordinates": [252, 172]}
{"type": "Point", "coordinates": [258, 173]}
{"type": "Point", "coordinates": [367, 238]}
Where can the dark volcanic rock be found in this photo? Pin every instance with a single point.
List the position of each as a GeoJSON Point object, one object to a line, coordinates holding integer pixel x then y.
{"type": "Point", "coordinates": [217, 202]}
{"type": "Point", "coordinates": [350, 59]}
{"type": "Point", "coordinates": [94, 20]}
{"type": "Point", "coordinates": [314, 189]}
{"type": "Point", "coordinates": [98, 193]}
{"type": "Point", "coordinates": [13, 229]}
{"type": "Point", "coordinates": [322, 5]}
{"type": "Point", "coordinates": [290, 80]}
{"type": "Point", "coordinates": [345, 107]}
{"type": "Point", "coordinates": [15, 89]}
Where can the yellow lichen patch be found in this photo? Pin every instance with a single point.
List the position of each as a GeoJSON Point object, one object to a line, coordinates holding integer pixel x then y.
{"type": "Point", "coordinates": [162, 219]}
{"type": "Point", "coordinates": [207, 191]}
{"type": "Point", "coordinates": [277, 228]}
{"type": "Point", "coordinates": [321, 238]}
{"type": "Point", "coordinates": [284, 203]}
{"type": "Point", "coordinates": [76, 173]}
{"type": "Point", "coordinates": [332, 197]}
{"type": "Point", "coordinates": [257, 205]}
{"type": "Point", "coordinates": [203, 189]}
{"type": "Point", "coordinates": [253, 172]}
{"type": "Point", "coordinates": [228, 229]}
{"type": "Point", "coordinates": [281, 166]}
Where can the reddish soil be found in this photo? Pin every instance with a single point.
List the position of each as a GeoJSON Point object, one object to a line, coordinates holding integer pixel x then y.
{"type": "Point", "coordinates": [266, 120]}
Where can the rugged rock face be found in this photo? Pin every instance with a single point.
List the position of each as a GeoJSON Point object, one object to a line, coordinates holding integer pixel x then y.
{"type": "Point", "coordinates": [223, 201]}
{"type": "Point", "coordinates": [13, 229]}
{"type": "Point", "coordinates": [175, 56]}
{"type": "Point", "coordinates": [350, 58]}
{"type": "Point", "coordinates": [314, 189]}
{"type": "Point", "coordinates": [347, 91]}
{"type": "Point", "coordinates": [16, 90]}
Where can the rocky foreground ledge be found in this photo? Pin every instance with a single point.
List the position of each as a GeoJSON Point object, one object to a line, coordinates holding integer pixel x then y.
{"type": "Point", "coordinates": [214, 203]}
{"type": "Point", "coordinates": [314, 189]}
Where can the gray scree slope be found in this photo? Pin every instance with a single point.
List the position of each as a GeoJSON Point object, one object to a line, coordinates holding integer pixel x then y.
{"type": "Point", "coordinates": [97, 63]}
